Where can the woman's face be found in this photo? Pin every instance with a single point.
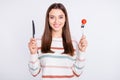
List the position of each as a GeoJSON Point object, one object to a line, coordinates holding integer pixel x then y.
{"type": "Point", "coordinates": [56, 20]}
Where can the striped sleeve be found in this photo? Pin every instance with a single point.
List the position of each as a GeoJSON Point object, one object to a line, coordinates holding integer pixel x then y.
{"type": "Point", "coordinates": [34, 65]}
{"type": "Point", "coordinates": [79, 63]}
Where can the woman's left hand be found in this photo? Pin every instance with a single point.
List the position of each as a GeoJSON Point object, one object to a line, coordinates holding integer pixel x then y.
{"type": "Point", "coordinates": [83, 44]}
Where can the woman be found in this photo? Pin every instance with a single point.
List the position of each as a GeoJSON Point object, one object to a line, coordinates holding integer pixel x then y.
{"type": "Point", "coordinates": [58, 56]}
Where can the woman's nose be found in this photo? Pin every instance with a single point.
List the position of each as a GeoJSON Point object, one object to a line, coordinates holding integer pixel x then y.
{"type": "Point", "coordinates": [56, 20]}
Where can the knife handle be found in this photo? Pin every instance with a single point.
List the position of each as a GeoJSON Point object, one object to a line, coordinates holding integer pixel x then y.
{"type": "Point", "coordinates": [33, 29]}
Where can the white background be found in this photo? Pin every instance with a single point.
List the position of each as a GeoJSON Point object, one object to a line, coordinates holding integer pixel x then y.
{"type": "Point", "coordinates": [102, 31]}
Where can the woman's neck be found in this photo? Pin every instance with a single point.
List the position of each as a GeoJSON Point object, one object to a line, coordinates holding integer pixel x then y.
{"type": "Point", "coordinates": [56, 34]}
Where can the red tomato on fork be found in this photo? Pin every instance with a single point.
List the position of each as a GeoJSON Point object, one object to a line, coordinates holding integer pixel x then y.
{"type": "Point", "coordinates": [84, 21]}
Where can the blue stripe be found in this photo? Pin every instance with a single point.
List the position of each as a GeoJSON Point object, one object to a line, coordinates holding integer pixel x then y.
{"type": "Point", "coordinates": [78, 67]}
{"type": "Point", "coordinates": [33, 69]}
{"type": "Point", "coordinates": [56, 56]}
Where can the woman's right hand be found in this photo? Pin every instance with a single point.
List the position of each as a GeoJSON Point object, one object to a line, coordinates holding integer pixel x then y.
{"type": "Point", "coordinates": [32, 45]}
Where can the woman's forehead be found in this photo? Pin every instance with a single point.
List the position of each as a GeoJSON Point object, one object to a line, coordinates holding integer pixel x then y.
{"type": "Point", "coordinates": [56, 12]}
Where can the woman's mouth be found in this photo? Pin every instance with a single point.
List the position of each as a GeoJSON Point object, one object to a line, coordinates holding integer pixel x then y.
{"type": "Point", "coordinates": [56, 25]}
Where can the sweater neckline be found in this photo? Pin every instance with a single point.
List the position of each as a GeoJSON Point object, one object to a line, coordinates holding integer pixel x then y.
{"type": "Point", "coordinates": [59, 39]}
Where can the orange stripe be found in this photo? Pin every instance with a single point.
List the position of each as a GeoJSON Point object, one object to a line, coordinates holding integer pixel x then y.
{"type": "Point", "coordinates": [59, 48]}
{"type": "Point", "coordinates": [36, 73]}
{"type": "Point", "coordinates": [57, 66]}
{"type": "Point", "coordinates": [56, 76]}
{"type": "Point", "coordinates": [77, 74]}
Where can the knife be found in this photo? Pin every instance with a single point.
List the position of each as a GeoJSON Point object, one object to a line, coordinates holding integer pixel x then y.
{"type": "Point", "coordinates": [33, 29]}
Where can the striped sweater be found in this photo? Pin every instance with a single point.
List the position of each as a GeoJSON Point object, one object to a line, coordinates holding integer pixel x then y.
{"type": "Point", "coordinates": [57, 66]}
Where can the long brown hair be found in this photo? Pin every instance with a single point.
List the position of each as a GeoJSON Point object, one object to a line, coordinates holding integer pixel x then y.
{"type": "Point", "coordinates": [47, 35]}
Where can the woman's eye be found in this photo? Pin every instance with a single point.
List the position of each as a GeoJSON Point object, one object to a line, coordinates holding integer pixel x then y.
{"type": "Point", "coordinates": [51, 17]}
{"type": "Point", "coordinates": [61, 17]}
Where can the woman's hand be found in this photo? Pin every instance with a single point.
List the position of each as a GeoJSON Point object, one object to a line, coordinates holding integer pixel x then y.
{"type": "Point", "coordinates": [83, 44]}
{"type": "Point", "coordinates": [32, 46]}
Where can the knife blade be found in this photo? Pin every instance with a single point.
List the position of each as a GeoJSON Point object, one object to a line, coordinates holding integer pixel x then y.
{"type": "Point", "coordinates": [33, 29]}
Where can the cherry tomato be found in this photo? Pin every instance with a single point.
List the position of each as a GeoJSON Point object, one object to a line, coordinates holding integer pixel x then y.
{"type": "Point", "coordinates": [84, 21]}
